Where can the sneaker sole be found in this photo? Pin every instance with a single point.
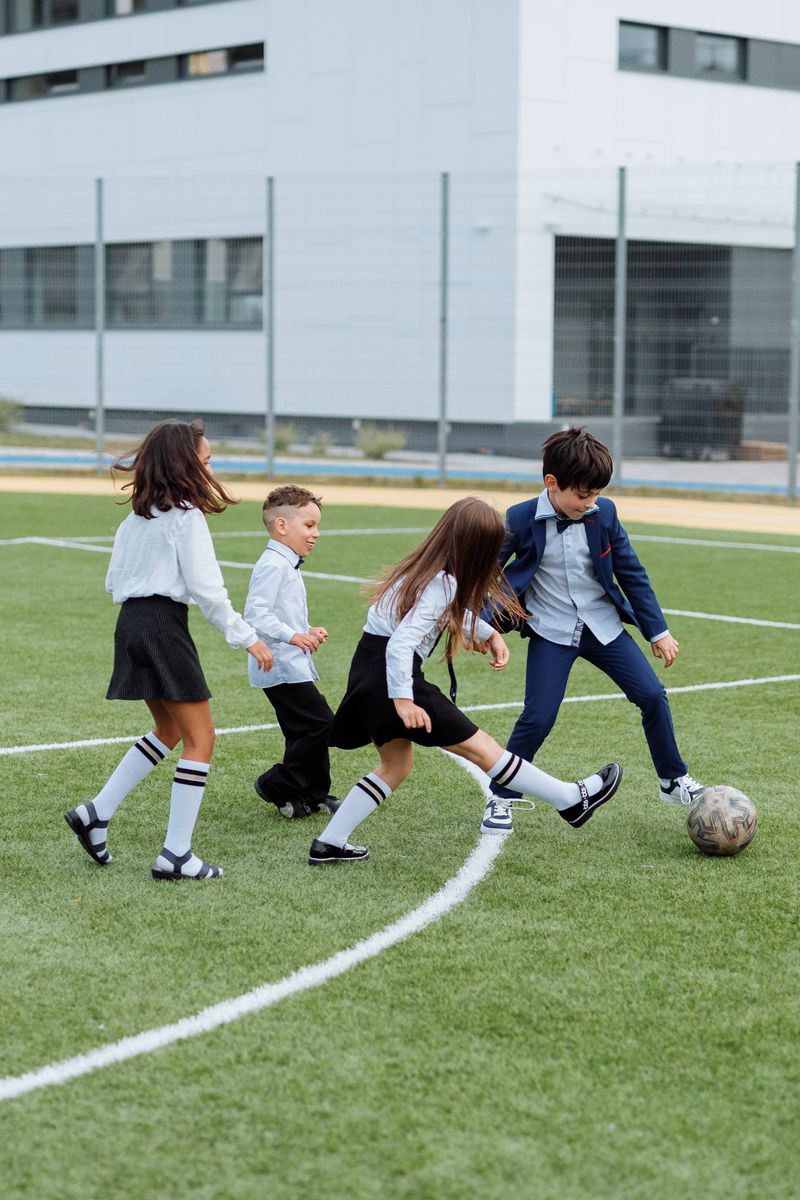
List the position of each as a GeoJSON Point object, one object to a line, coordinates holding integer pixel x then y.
{"type": "Point", "coordinates": [334, 862]}
{"type": "Point", "coordinates": [496, 832]}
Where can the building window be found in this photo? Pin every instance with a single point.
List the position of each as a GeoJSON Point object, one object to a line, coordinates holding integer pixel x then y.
{"type": "Point", "coordinates": [125, 74]}
{"type": "Point", "coordinates": [222, 62]}
{"type": "Point", "coordinates": [34, 87]}
{"type": "Point", "coordinates": [719, 57]}
{"type": "Point", "coordinates": [642, 47]}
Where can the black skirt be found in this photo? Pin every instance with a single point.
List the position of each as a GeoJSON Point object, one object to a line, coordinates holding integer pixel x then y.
{"type": "Point", "coordinates": [154, 655]}
{"type": "Point", "coordinates": [366, 714]}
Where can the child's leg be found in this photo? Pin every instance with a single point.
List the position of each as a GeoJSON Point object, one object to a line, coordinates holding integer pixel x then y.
{"type": "Point", "coordinates": [304, 775]}
{"type": "Point", "coordinates": [546, 674]}
{"type": "Point", "coordinates": [90, 821]}
{"type": "Point", "coordinates": [574, 801]}
{"type": "Point", "coordinates": [176, 860]}
{"type": "Point", "coordinates": [397, 759]}
{"type": "Point", "coordinates": [624, 662]}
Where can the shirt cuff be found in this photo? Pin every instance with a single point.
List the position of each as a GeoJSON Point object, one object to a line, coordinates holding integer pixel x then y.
{"type": "Point", "coordinates": [659, 636]}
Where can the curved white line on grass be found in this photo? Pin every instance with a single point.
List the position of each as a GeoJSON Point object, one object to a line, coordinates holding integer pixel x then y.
{"type": "Point", "coordinates": [474, 870]}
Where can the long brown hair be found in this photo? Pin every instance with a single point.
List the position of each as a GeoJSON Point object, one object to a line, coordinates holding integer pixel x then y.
{"type": "Point", "coordinates": [167, 472]}
{"type": "Point", "coordinates": [465, 542]}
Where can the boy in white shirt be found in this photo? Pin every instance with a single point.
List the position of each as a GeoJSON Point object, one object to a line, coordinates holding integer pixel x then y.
{"type": "Point", "coordinates": [278, 609]}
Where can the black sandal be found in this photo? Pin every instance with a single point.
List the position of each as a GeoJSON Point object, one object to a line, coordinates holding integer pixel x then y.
{"type": "Point", "coordinates": [98, 851]}
{"type": "Point", "coordinates": [206, 870]}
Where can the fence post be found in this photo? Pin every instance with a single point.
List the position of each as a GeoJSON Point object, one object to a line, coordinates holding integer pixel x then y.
{"type": "Point", "coordinates": [620, 313]}
{"type": "Point", "coordinates": [444, 238]}
{"type": "Point", "coordinates": [794, 349]}
{"type": "Point", "coordinates": [268, 321]}
{"type": "Point", "coordinates": [99, 326]}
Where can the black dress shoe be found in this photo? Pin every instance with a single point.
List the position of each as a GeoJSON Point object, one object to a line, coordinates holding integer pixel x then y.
{"type": "Point", "coordinates": [293, 810]}
{"type": "Point", "coordinates": [578, 814]}
{"type": "Point", "coordinates": [328, 804]}
{"type": "Point", "coordinates": [322, 852]}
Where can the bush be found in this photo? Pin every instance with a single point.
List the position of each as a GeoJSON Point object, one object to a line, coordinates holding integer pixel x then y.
{"type": "Point", "coordinates": [10, 413]}
{"type": "Point", "coordinates": [284, 436]}
{"type": "Point", "coordinates": [376, 443]}
{"type": "Point", "coordinates": [320, 444]}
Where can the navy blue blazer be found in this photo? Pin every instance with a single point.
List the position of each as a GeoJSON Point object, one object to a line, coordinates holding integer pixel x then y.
{"type": "Point", "coordinates": [612, 555]}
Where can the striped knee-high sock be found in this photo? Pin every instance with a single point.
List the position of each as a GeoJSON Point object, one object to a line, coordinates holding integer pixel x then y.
{"type": "Point", "coordinates": [188, 787]}
{"type": "Point", "coordinates": [360, 801]}
{"type": "Point", "coordinates": [516, 773]}
{"type": "Point", "coordinates": [137, 764]}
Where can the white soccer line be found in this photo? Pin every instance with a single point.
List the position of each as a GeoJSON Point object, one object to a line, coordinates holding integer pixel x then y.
{"type": "Point", "coordinates": [679, 541]}
{"type": "Point", "coordinates": [230, 533]}
{"type": "Point", "coordinates": [454, 892]}
{"type": "Point", "coordinates": [66, 544]}
{"type": "Point", "coordinates": [693, 687]}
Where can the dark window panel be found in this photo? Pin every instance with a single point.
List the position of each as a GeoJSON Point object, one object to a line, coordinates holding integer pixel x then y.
{"type": "Point", "coordinates": [642, 47]}
{"type": "Point", "coordinates": [719, 57]}
{"type": "Point", "coordinates": [125, 74]}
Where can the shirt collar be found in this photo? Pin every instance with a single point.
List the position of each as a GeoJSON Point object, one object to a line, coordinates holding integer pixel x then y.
{"type": "Point", "coordinates": [285, 551]}
{"type": "Point", "coordinates": [544, 509]}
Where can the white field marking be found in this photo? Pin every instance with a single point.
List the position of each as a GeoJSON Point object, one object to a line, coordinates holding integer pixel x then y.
{"type": "Point", "coordinates": [326, 533]}
{"type": "Point", "coordinates": [674, 691]}
{"type": "Point", "coordinates": [683, 612]}
{"type": "Point", "coordinates": [116, 741]}
{"type": "Point", "coordinates": [679, 541]}
{"type": "Point", "coordinates": [64, 543]}
{"type": "Point", "coordinates": [454, 892]}
{"type": "Point", "coordinates": [131, 738]}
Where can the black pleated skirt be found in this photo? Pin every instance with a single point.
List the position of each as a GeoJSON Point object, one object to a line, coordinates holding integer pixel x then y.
{"type": "Point", "coordinates": [155, 657]}
{"type": "Point", "coordinates": [366, 714]}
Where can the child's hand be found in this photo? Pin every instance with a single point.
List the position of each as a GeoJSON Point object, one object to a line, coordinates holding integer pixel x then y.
{"type": "Point", "coordinates": [308, 642]}
{"type": "Point", "coordinates": [498, 650]}
{"type": "Point", "coordinates": [319, 633]}
{"type": "Point", "coordinates": [666, 648]}
{"type": "Point", "coordinates": [412, 716]}
{"type": "Point", "coordinates": [262, 654]}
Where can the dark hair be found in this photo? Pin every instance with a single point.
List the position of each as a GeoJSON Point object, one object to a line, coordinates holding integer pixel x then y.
{"type": "Point", "coordinates": [289, 495]}
{"type": "Point", "coordinates": [167, 472]}
{"type": "Point", "coordinates": [465, 542]}
{"type": "Point", "coordinates": [577, 459]}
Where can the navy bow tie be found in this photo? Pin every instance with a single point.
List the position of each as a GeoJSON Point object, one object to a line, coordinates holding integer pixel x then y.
{"type": "Point", "coordinates": [562, 523]}
{"type": "Point", "coordinates": [299, 563]}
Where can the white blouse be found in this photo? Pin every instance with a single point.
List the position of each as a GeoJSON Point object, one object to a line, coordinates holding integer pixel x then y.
{"type": "Point", "coordinates": [417, 632]}
{"type": "Point", "coordinates": [172, 555]}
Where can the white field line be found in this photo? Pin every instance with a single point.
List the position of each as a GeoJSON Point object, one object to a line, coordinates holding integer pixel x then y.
{"type": "Point", "coordinates": [240, 566]}
{"type": "Point", "coordinates": [130, 738]}
{"type": "Point", "coordinates": [454, 892]}
{"type": "Point", "coordinates": [232, 533]}
{"type": "Point", "coordinates": [718, 545]}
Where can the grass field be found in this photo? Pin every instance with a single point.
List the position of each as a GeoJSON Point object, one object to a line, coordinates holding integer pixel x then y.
{"type": "Point", "coordinates": [607, 1014]}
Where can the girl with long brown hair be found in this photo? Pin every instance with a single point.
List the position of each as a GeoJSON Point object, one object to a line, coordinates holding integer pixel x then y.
{"type": "Point", "coordinates": [436, 591]}
{"type": "Point", "coordinates": [162, 560]}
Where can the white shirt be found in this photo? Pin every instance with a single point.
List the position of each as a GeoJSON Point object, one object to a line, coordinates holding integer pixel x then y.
{"type": "Point", "coordinates": [277, 608]}
{"type": "Point", "coordinates": [172, 555]}
{"type": "Point", "coordinates": [417, 632]}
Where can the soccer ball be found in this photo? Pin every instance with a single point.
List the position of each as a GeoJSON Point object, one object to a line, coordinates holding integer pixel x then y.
{"type": "Point", "coordinates": [722, 820]}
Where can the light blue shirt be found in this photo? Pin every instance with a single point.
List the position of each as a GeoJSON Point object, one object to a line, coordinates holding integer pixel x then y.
{"type": "Point", "coordinates": [565, 594]}
{"type": "Point", "coordinates": [277, 609]}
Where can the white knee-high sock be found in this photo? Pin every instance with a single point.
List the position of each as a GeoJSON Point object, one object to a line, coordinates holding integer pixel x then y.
{"type": "Point", "coordinates": [137, 764]}
{"type": "Point", "coordinates": [519, 775]}
{"type": "Point", "coordinates": [188, 786]}
{"type": "Point", "coordinates": [360, 801]}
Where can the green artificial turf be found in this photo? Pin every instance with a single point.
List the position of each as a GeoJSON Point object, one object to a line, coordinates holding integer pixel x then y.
{"type": "Point", "coordinates": [608, 1015]}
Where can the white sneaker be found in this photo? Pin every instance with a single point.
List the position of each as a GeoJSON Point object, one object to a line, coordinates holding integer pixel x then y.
{"type": "Point", "coordinates": [497, 814]}
{"type": "Point", "coordinates": [680, 791]}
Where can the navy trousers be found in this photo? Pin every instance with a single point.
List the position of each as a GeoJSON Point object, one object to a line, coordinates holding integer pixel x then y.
{"type": "Point", "coordinates": [546, 678]}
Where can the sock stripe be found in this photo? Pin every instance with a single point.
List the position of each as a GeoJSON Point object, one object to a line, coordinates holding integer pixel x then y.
{"type": "Point", "coordinates": [190, 776]}
{"type": "Point", "coordinates": [508, 771]}
{"type": "Point", "coordinates": [372, 789]}
{"type": "Point", "coordinates": [151, 752]}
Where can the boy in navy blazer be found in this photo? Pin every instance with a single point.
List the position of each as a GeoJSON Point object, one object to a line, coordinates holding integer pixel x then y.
{"type": "Point", "coordinates": [570, 563]}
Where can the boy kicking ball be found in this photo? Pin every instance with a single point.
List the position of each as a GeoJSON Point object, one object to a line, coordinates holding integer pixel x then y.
{"type": "Point", "coordinates": [278, 609]}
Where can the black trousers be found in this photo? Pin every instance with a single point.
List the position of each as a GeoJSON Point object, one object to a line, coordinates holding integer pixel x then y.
{"type": "Point", "coordinates": [305, 718]}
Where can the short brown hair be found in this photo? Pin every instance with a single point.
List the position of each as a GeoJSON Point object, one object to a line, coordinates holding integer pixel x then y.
{"type": "Point", "coordinates": [289, 495]}
{"type": "Point", "coordinates": [577, 459]}
{"type": "Point", "coordinates": [167, 472]}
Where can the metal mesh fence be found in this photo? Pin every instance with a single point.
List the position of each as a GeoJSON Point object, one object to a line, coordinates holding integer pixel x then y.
{"type": "Point", "coordinates": [421, 325]}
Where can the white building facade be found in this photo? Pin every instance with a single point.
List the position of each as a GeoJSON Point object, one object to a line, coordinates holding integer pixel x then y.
{"type": "Point", "coordinates": [355, 109]}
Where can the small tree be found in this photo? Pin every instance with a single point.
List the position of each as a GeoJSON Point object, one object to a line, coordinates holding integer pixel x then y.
{"type": "Point", "coordinates": [284, 436]}
{"type": "Point", "coordinates": [320, 444]}
{"type": "Point", "coordinates": [377, 443]}
{"type": "Point", "coordinates": [10, 413]}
